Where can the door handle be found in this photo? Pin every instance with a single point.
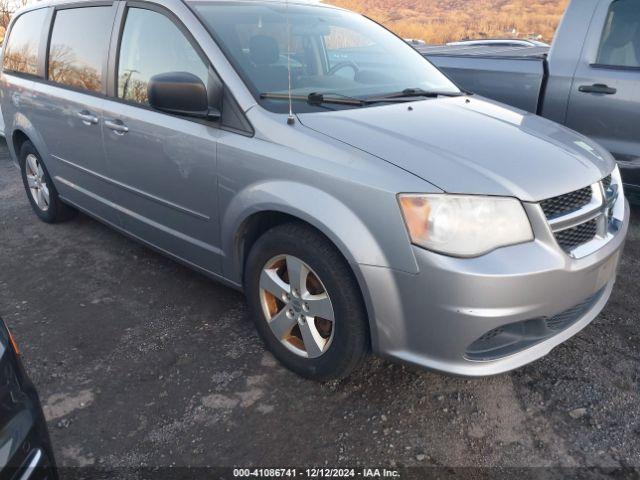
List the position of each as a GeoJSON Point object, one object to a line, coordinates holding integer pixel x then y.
{"type": "Point", "coordinates": [87, 117]}
{"type": "Point", "coordinates": [598, 88]}
{"type": "Point", "coordinates": [117, 126]}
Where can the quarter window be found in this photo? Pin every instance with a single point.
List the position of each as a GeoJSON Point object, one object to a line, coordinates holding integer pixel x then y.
{"type": "Point", "coordinates": [21, 51]}
{"type": "Point", "coordinates": [152, 44]}
{"type": "Point", "coordinates": [620, 44]}
{"type": "Point", "coordinates": [78, 47]}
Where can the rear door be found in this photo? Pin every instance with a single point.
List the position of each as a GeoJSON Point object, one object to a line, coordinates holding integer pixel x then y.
{"type": "Point", "coordinates": [605, 96]}
{"type": "Point", "coordinates": [163, 166]}
{"type": "Point", "coordinates": [22, 64]}
{"type": "Point", "coordinates": [68, 105]}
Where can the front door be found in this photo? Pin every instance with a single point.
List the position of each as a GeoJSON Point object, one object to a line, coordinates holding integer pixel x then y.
{"type": "Point", "coordinates": [605, 97]}
{"type": "Point", "coordinates": [163, 167]}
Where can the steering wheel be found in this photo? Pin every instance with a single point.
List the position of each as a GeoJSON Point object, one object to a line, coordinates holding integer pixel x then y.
{"type": "Point", "coordinates": [341, 65]}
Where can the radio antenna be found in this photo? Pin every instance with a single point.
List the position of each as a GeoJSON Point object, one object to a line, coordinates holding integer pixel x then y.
{"type": "Point", "coordinates": [291, 119]}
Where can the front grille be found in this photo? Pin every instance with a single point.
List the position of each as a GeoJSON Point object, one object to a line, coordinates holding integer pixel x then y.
{"type": "Point", "coordinates": [490, 335]}
{"type": "Point", "coordinates": [515, 337]}
{"type": "Point", "coordinates": [563, 320]}
{"type": "Point", "coordinates": [564, 204]}
{"type": "Point", "coordinates": [573, 237]}
{"type": "Point", "coordinates": [582, 216]}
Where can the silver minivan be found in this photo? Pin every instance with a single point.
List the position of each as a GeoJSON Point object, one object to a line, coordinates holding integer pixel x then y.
{"type": "Point", "coordinates": [306, 155]}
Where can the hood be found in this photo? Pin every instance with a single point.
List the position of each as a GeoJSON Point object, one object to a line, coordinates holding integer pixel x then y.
{"type": "Point", "coordinates": [471, 145]}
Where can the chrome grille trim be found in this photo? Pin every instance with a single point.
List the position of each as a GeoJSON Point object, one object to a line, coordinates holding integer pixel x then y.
{"type": "Point", "coordinates": [586, 212]}
{"type": "Point", "coordinates": [583, 222]}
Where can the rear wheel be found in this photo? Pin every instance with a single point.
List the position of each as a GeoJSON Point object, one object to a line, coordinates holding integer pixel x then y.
{"type": "Point", "coordinates": [40, 189]}
{"type": "Point", "coordinates": [306, 303]}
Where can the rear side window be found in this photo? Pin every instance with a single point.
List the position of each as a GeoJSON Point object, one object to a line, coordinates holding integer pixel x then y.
{"type": "Point", "coordinates": [620, 44]}
{"type": "Point", "coordinates": [152, 44]}
{"type": "Point", "coordinates": [78, 46]}
{"type": "Point", "coordinates": [21, 51]}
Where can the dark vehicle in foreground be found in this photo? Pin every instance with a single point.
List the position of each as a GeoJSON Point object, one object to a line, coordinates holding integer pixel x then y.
{"type": "Point", "coordinates": [589, 80]}
{"type": "Point", "coordinates": [25, 449]}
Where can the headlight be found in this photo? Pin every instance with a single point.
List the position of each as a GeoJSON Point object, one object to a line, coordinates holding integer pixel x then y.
{"type": "Point", "coordinates": [616, 179]}
{"type": "Point", "coordinates": [464, 225]}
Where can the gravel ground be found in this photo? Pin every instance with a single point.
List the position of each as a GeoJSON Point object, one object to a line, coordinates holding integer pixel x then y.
{"type": "Point", "coordinates": [140, 361]}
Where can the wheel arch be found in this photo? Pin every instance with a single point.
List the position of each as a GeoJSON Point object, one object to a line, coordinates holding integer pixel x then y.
{"type": "Point", "coordinates": [21, 131]}
{"type": "Point", "coordinates": [260, 222]}
{"type": "Point", "coordinates": [18, 138]}
{"type": "Point", "coordinates": [266, 206]}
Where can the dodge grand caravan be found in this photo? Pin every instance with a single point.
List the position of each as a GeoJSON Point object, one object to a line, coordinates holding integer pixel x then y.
{"type": "Point", "coordinates": [309, 157]}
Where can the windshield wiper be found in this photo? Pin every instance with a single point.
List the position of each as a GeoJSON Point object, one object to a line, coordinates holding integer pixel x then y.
{"type": "Point", "coordinates": [415, 92]}
{"type": "Point", "coordinates": [316, 98]}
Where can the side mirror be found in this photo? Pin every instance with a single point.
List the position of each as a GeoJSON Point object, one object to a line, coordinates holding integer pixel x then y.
{"type": "Point", "coordinates": [180, 93]}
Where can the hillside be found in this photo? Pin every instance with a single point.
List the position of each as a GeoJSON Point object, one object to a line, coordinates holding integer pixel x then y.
{"type": "Point", "coordinates": [440, 21]}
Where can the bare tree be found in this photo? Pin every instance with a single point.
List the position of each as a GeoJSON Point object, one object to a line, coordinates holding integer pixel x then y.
{"type": "Point", "coordinates": [7, 9]}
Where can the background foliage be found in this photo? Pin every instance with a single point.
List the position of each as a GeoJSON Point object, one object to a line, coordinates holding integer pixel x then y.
{"type": "Point", "coordinates": [441, 21]}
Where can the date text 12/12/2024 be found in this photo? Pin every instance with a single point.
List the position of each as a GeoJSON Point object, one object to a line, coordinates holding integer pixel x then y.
{"type": "Point", "coordinates": [324, 472]}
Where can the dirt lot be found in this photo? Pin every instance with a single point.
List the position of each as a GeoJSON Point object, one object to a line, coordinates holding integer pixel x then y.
{"type": "Point", "coordinates": [140, 361]}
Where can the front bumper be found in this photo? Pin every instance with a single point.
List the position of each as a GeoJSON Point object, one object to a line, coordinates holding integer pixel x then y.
{"type": "Point", "coordinates": [434, 319]}
{"type": "Point", "coordinates": [25, 446]}
{"type": "Point", "coordinates": [33, 459]}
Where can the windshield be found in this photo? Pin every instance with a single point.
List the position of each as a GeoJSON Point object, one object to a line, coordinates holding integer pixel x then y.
{"type": "Point", "coordinates": [332, 52]}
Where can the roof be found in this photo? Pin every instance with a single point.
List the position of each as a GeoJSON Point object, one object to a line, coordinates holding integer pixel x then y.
{"type": "Point", "coordinates": [47, 3]}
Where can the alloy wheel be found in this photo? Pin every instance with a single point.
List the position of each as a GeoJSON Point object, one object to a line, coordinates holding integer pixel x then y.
{"type": "Point", "coordinates": [37, 183]}
{"type": "Point", "coordinates": [296, 305]}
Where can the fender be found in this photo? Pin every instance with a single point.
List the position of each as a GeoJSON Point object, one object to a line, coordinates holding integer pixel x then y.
{"type": "Point", "coordinates": [22, 124]}
{"type": "Point", "coordinates": [326, 213]}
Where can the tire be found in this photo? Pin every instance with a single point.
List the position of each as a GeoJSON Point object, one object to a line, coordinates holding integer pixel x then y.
{"type": "Point", "coordinates": [348, 341]}
{"type": "Point", "coordinates": [49, 208]}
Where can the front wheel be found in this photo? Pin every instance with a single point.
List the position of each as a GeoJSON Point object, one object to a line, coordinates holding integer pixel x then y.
{"type": "Point", "coordinates": [306, 303]}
